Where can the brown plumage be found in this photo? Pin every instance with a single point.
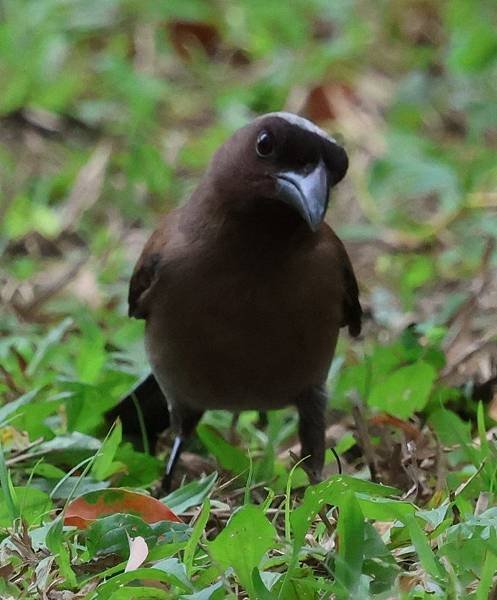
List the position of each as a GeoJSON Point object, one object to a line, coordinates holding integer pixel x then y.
{"type": "Point", "coordinates": [244, 288]}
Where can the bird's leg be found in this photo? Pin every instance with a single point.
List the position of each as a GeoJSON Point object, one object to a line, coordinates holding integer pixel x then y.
{"type": "Point", "coordinates": [184, 424]}
{"type": "Point", "coordinates": [262, 421]}
{"type": "Point", "coordinates": [176, 451]}
{"type": "Point", "coordinates": [234, 422]}
{"type": "Point", "coordinates": [311, 406]}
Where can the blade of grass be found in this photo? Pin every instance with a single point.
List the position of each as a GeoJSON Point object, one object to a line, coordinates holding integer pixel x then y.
{"type": "Point", "coordinates": [250, 476]}
{"type": "Point", "coordinates": [487, 576]}
{"type": "Point", "coordinates": [192, 543]}
{"type": "Point", "coordinates": [350, 532]}
{"type": "Point", "coordinates": [55, 543]}
{"type": "Point", "coordinates": [288, 491]}
{"type": "Point", "coordinates": [141, 423]}
{"type": "Point", "coordinates": [8, 488]}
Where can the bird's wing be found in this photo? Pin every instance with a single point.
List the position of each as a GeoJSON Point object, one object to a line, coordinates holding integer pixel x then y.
{"type": "Point", "coordinates": [352, 311]}
{"type": "Point", "coordinates": [146, 269]}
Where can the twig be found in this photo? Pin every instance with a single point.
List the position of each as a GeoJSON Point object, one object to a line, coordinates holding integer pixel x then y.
{"type": "Point", "coordinates": [24, 454]}
{"type": "Point", "coordinates": [88, 185]}
{"type": "Point", "coordinates": [365, 442]}
{"type": "Point", "coordinates": [26, 310]}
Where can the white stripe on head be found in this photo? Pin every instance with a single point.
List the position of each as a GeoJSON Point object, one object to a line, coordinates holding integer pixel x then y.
{"type": "Point", "coordinates": [300, 122]}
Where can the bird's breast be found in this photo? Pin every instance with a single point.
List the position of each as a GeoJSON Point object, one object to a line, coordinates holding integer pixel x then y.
{"type": "Point", "coordinates": [226, 336]}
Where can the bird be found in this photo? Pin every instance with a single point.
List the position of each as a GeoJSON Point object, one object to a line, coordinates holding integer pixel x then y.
{"type": "Point", "coordinates": [245, 287]}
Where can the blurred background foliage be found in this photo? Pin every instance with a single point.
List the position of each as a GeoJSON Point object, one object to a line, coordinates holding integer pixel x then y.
{"type": "Point", "coordinates": [110, 111]}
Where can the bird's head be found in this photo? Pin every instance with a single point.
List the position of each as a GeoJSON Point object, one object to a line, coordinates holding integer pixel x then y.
{"type": "Point", "coordinates": [279, 158]}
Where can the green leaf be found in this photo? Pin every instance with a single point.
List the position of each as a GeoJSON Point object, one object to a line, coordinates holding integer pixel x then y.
{"type": "Point", "coordinates": [241, 545]}
{"type": "Point", "coordinates": [474, 47]}
{"type": "Point", "coordinates": [261, 591]}
{"type": "Point", "coordinates": [32, 505]}
{"type": "Point", "coordinates": [230, 458]}
{"type": "Point", "coordinates": [379, 565]}
{"type": "Point", "coordinates": [140, 593]}
{"type": "Point", "coordinates": [350, 532]}
{"type": "Point", "coordinates": [191, 494]}
{"type": "Point", "coordinates": [175, 567]}
{"type": "Point", "coordinates": [49, 341]}
{"type": "Point", "coordinates": [11, 407]}
{"type": "Point", "coordinates": [405, 391]}
{"type": "Point", "coordinates": [91, 355]}
{"type": "Point", "coordinates": [332, 491]}
{"type": "Point", "coordinates": [109, 588]}
{"type": "Point", "coordinates": [109, 535]}
{"type": "Point", "coordinates": [452, 431]}
{"type": "Point", "coordinates": [422, 544]}
{"type": "Point", "coordinates": [69, 449]}
{"type": "Point", "coordinates": [8, 492]}
{"type": "Point", "coordinates": [48, 471]}
{"type": "Point", "coordinates": [103, 465]}
{"type": "Point", "coordinates": [141, 469]}
{"type": "Point", "coordinates": [69, 487]}
{"type": "Point", "coordinates": [208, 593]}
{"type": "Point", "coordinates": [56, 544]}
{"type": "Point", "coordinates": [192, 543]}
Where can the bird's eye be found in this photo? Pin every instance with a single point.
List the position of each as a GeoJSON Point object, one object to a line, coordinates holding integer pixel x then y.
{"type": "Point", "coordinates": [265, 144]}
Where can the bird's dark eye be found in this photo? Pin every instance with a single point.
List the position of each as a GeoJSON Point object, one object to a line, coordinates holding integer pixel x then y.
{"type": "Point", "coordinates": [265, 144]}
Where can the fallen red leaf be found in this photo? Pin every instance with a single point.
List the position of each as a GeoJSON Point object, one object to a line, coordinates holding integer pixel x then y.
{"type": "Point", "coordinates": [411, 431]}
{"type": "Point", "coordinates": [321, 102]}
{"type": "Point", "coordinates": [184, 34]}
{"type": "Point", "coordinates": [82, 511]}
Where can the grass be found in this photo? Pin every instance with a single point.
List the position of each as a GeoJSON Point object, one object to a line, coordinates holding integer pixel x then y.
{"type": "Point", "coordinates": [108, 114]}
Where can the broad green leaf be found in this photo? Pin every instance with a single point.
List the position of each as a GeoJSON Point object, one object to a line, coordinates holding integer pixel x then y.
{"type": "Point", "coordinates": [474, 46]}
{"type": "Point", "coordinates": [332, 491]}
{"type": "Point", "coordinates": [405, 391]}
{"type": "Point", "coordinates": [208, 593]}
{"type": "Point", "coordinates": [84, 406]}
{"type": "Point", "coordinates": [11, 407]}
{"type": "Point", "coordinates": [241, 545]}
{"type": "Point", "coordinates": [261, 591]}
{"type": "Point", "coordinates": [229, 457]}
{"type": "Point", "coordinates": [109, 535]}
{"type": "Point", "coordinates": [141, 469]}
{"type": "Point", "coordinates": [452, 430]}
{"type": "Point", "coordinates": [175, 567]}
{"type": "Point", "coordinates": [32, 506]}
{"type": "Point", "coordinates": [383, 509]}
{"type": "Point", "coordinates": [379, 564]}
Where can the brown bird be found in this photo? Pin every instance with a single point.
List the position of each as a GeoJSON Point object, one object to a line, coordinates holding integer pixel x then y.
{"type": "Point", "coordinates": [245, 287]}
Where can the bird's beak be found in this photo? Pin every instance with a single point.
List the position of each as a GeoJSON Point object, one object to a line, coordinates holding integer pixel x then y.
{"type": "Point", "coordinates": [306, 193]}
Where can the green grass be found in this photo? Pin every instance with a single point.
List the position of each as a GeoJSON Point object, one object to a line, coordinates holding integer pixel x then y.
{"type": "Point", "coordinates": [109, 112]}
